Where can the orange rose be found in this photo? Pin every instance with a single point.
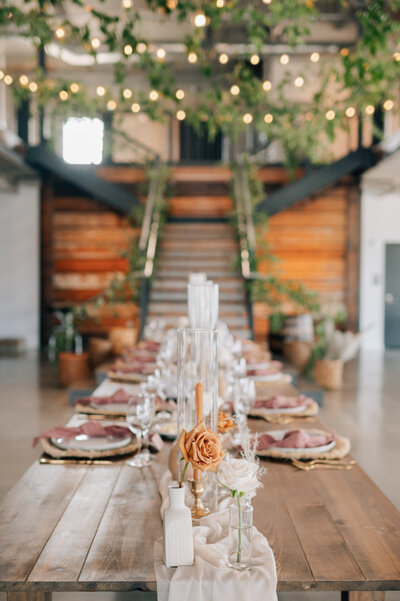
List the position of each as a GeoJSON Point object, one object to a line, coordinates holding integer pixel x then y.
{"type": "Point", "coordinates": [225, 423]}
{"type": "Point", "coordinates": [201, 447]}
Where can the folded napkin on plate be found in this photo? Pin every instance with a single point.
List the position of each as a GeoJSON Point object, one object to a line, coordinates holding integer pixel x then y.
{"type": "Point", "coordinates": [278, 401]}
{"type": "Point", "coordinates": [138, 368]}
{"type": "Point", "coordinates": [293, 439]}
{"type": "Point", "coordinates": [271, 368]}
{"type": "Point", "coordinates": [138, 358]}
{"type": "Point", "coordinates": [119, 396]}
{"type": "Point", "coordinates": [149, 345]}
{"type": "Point", "coordinates": [91, 429]}
{"type": "Point", "coordinates": [209, 578]}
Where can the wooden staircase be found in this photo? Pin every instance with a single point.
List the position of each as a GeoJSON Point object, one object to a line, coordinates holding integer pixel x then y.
{"type": "Point", "coordinates": [199, 238]}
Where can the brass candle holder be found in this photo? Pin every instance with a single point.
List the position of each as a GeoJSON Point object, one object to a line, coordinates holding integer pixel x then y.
{"type": "Point", "coordinates": [198, 509]}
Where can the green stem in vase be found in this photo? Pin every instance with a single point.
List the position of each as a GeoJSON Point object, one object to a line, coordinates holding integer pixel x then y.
{"type": "Point", "coordinates": [183, 474]}
{"type": "Point", "coordinates": [239, 552]}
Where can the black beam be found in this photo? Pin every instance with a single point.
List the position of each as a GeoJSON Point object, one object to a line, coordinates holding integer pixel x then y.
{"type": "Point", "coordinates": [317, 180]}
{"type": "Point", "coordinates": [23, 120]}
{"type": "Point", "coordinates": [98, 188]}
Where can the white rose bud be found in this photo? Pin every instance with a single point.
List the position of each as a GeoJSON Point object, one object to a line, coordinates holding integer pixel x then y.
{"type": "Point", "coordinates": [239, 475]}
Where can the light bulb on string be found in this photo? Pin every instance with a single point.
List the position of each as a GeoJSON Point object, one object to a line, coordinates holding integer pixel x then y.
{"type": "Point", "coordinates": [95, 42]}
{"type": "Point", "coordinates": [267, 85]}
{"type": "Point", "coordinates": [126, 4]}
{"type": "Point", "coordinates": [1, 75]}
{"type": "Point", "coordinates": [200, 20]}
{"type": "Point", "coordinates": [153, 95]}
{"type": "Point", "coordinates": [74, 87]}
{"type": "Point", "coordinates": [247, 118]}
{"type": "Point", "coordinates": [8, 80]}
{"type": "Point", "coordinates": [235, 90]}
{"type": "Point", "coordinates": [350, 112]}
{"type": "Point", "coordinates": [396, 56]}
{"type": "Point", "coordinates": [111, 105]}
{"type": "Point", "coordinates": [180, 94]}
{"type": "Point", "coordinates": [100, 91]}
{"type": "Point", "coordinates": [223, 58]}
{"type": "Point", "coordinates": [254, 59]}
{"type": "Point", "coordinates": [128, 49]}
{"type": "Point", "coordinates": [127, 93]}
{"type": "Point", "coordinates": [180, 115]}
{"type": "Point", "coordinates": [370, 110]}
{"type": "Point", "coordinates": [24, 80]}
{"type": "Point", "coordinates": [141, 48]}
{"type": "Point", "coordinates": [161, 54]}
{"type": "Point", "coordinates": [388, 105]}
{"type": "Point", "coordinates": [314, 58]}
{"type": "Point", "coordinates": [299, 82]}
{"type": "Point", "coordinates": [60, 33]}
{"type": "Point", "coordinates": [284, 60]}
{"type": "Point", "coordinates": [63, 94]}
{"type": "Point", "coordinates": [33, 86]}
{"type": "Point", "coordinates": [267, 1]}
{"type": "Point", "coordinates": [220, 3]}
{"type": "Point", "coordinates": [330, 115]}
{"type": "Point", "coordinates": [192, 57]}
{"type": "Point", "coordinates": [268, 118]}
{"type": "Point", "coordinates": [135, 107]}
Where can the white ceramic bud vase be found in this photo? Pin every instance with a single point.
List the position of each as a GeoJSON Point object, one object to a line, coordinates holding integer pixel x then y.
{"type": "Point", "coordinates": [178, 536]}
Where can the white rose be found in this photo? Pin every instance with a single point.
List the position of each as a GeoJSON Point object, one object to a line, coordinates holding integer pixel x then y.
{"type": "Point", "coordinates": [239, 475]}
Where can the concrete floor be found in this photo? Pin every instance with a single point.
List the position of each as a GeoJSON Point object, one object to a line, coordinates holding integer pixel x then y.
{"type": "Point", "coordinates": [367, 410]}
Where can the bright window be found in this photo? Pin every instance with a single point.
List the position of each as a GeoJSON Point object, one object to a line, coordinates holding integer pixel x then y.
{"type": "Point", "coordinates": [82, 141]}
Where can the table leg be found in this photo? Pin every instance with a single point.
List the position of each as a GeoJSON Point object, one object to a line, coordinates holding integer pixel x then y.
{"type": "Point", "coordinates": [363, 596]}
{"type": "Point", "coordinates": [30, 596]}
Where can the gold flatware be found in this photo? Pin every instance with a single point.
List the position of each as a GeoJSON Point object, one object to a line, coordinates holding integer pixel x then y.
{"type": "Point", "coordinates": [116, 417]}
{"type": "Point", "coordinates": [332, 461]}
{"type": "Point", "coordinates": [54, 461]}
{"type": "Point", "coordinates": [307, 466]}
{"type": "Point", "coordinates": [285, 419]}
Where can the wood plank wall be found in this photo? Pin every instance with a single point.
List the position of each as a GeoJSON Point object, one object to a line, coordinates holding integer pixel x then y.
{"type": "Point", "coordinates": [82, 242]}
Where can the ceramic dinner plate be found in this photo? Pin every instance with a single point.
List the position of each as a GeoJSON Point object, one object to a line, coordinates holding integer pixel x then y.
{"type": "Point", "coordinates": [279, 434]}
{"type": "Point", "coordinates": [97, 443]}
{"type": "Point", "coordinates": [290, 410]}
{"type": "Point", "coordinates": [267, 378]}
{"type": "Point", "coordinates": [167, 430]}
{"type": "Point", "coordinates": [111, 407]}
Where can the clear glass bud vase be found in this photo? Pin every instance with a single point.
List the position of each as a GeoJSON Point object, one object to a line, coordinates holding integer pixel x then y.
{"type": "Point", "coordinates": [240, 533]}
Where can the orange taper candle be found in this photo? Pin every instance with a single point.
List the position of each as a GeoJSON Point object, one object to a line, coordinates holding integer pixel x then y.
{"type": "Point", "coordinates": [200, 416]}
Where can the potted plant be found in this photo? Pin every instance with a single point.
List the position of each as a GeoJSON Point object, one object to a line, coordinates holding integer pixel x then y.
{"type": "Point", "coordinates": [65, 349]}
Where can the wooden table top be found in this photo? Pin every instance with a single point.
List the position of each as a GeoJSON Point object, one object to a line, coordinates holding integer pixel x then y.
{"type": "Point", "coordinates": [92, 528]}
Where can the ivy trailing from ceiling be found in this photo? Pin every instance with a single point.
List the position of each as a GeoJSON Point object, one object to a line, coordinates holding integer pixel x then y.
{"type": "Point", "coordinates": [363, 76]}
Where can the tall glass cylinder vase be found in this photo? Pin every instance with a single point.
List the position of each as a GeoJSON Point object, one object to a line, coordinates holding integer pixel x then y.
{"type": "Point", "coordinates": [198, 362]}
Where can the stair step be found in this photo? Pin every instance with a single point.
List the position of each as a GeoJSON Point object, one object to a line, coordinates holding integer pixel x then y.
{"type": "Point", "coordinates": [202, 253]}
{"type": "Point", "coordinates": [181, 307]}
{"type": "Point", "coordinates": [184, 272]}
{"type": "Point", "coordinates": [173, 296]}
{"type": "Point", "coordinates": [196, 264]}
{"type": "Point", "coordinates": [175, 285]}
{"type": "Point", "coordinates": [233, 321]}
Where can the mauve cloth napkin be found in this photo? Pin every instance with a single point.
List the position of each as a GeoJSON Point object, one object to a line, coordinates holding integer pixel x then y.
{"type": "Point", "coordinates": [135, 368]}
{"type": "Point", "coordinates": [278, 401]}
{"type": "Point", "coordinates": [209, 578]}
{"type": "Point", "coordinates": [138, 357]}
{"type": "Point", "coordinates": [293, 439]}
{"type": "Point", "coordinates": [119, 396]}
{"type": "Point", "coordinates": [271, 368]}
{"type": "Point", "coordinates": [91, 429]}
{"type": "Point", "coordinates": [149, 345]}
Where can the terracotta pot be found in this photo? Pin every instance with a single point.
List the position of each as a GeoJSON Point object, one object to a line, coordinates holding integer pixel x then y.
{"type": "Point", "coordinates": [328, 373]}
{"type": "Point", "coordinates": [72, 368]}
{"type": "Point", "coordinates": [297, 352]}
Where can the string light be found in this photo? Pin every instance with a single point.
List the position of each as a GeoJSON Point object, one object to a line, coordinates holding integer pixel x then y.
{"type": "Point", "coordinates": [180, 115]}
{"type": "Point", "coordinates": [284, 59]}
{"type": "Point", "coordinates": [135, 107]}
{"type": "Point", "coordinates": [111, 105]}
{"type": "Point", "coordinates": [192, 57]}
{"type": "Point", "coordinates": [200, 20]}
{"type": "Point", "coordinates": [388, 105]}
{"type": "Point", "coordinates": [344, 51]}
{"type": "Point", "coordinates": [220, 3]}
{"type": "Point", "coordinates": [314, 58]}
{"type": "Point", "coordinates": [128, 49]}
{"type": "Point", "coordinates": [63, 95]}
{"type": "Point", "coordinates": [350, 112]}
{"type": "Point", "coordinates": [60, 33]}
{"type": "Point", "coordinates": [255, 59]}
{"type": "Point", "coordinates": [235, 90]}
{"type": "Point", "coordinates": [298, 82]}
{"type": "Point", "coordinates": [370, 110]}
{"type": "Point", "coordinates": [141, 48]}
{"type": "Point", "coordinates": [95, 42]}
{"type": "Point", "coordinates": [161, 53]}
{"type": "Point", "coordinates": [223, 58]}
{"type": "Point", "coordinates": [1, 75]}
{"type": "Point", "coordinates": [100, 91]}
{"type": "Point", "coordinates": [396, 56]}
{"type": "Point", "coordinates": [153, 95]}
{"type": "Point", "coordinates": [268, 118]}
{"type": "Point", "coordinates": [33, 86]}
{"type": "Point", "coordinates": [74, 87]}
{"type": "Point", "coordinates": [267, 85]}
{"type": "Point", "coordinates": [267, 1]}
{"type": "Point", "coordinates": [127, 93]}
{"type": "Point", "coordinates": [23, 80]}
{"type": "Point", "coordinates": [247, 118]}
{"type": "Point", "coordinates": [8, 80]}
{"type": "Point", "coordinates": [330, 115]}
{"type": "Point", "coordinates": [126, 4]}
{"type": "Point", "coordinates": [180, 94]}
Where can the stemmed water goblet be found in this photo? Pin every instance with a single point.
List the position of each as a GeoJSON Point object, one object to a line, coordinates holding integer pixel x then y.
{"type": "Point", "coordinates": [140, 416]}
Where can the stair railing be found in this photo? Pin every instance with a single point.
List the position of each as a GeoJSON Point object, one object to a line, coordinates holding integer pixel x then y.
{"type": "Point", "coordinates": [148, 242]}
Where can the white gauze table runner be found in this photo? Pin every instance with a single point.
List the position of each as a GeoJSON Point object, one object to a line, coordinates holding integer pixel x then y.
{"type": "Point", "coordinates": [209, 578]}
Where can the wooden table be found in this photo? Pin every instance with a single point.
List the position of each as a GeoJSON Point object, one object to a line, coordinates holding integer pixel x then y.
{"type": "Point", "coordinates": [92, 528]}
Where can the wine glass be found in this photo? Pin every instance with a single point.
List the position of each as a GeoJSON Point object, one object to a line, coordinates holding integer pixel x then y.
{"type": "Point", "coordinates": [140, 415]}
